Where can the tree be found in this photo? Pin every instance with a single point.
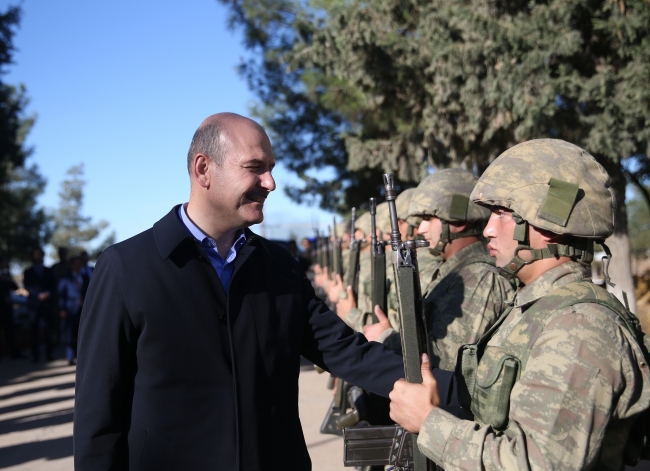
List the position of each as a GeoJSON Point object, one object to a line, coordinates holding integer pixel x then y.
{"type": "Point", "coordinates": [23, 224]}
{"type": "Point", "coordinates": [441, 83]}
{"type": "Point", "coordinates": [72, 229]}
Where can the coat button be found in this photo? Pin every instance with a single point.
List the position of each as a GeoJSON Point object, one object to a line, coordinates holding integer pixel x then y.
{"type": "Point", "coordinates": [512, 266]}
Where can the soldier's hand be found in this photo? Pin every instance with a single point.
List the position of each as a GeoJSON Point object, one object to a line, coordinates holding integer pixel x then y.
{"type": "Point", "coordinates": [411, 403]}
{"type": "Point", "coordinates": [374, 331]}
{"type": "Point", "coordinates": [335, 289]}
{"type": "Point", "coordinates": [346, 304]}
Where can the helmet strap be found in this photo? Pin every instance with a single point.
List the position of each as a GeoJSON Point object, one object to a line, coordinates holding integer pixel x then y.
{"type": "Point", "coordinates": [580, 250]}
{"type": "Point", "coordinates": [447, 236]}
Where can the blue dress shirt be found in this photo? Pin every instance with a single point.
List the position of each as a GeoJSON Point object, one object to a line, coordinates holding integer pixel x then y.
{"type": "Point", "coordinates": [223, 267]}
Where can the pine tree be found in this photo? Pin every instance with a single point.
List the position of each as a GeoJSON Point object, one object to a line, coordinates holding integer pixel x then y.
{"type": "Point", "coordinates": [23, 224]}
{"type": "Point", "coordinates": [413, 84]}
{"type": "Point", "coordinates": [72, 229]}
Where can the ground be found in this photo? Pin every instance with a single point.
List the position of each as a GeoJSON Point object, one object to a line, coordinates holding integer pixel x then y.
{"type": "Point", "coordinates": [36, 404]}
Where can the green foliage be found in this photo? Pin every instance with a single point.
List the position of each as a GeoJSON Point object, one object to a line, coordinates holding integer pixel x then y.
{"type": "Point", "coordinates": [23, 224]}
{"type": "Point", "coordinates": [72, 229]}
{"type": "Point", "coordinates": [403, 85]}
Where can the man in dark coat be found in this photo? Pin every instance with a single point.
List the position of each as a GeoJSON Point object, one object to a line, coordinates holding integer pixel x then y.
{"type": "Point", "coordinates": [191, 332]}
{"type": "Point", "coordinates": [40, 281]}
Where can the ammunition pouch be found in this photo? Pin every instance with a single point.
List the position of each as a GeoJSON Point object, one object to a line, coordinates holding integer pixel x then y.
{"type": "Point", "coordinates": [488, 385]}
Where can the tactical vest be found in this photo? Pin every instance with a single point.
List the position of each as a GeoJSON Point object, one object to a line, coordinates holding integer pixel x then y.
{"type": "Point", "coordinates": [487, 391]}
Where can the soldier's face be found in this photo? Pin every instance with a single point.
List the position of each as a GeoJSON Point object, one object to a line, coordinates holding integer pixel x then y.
{"type": "Point", "coordinates": [500, 230]}
{"type": "Point", "coordinates": [244, 180]}
{"type": "Point", "coordinates": [431, 229]}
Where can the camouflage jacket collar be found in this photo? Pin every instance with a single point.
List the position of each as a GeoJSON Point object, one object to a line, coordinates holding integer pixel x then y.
{"type": "Point", "coordinates": [475, 250]}
{"type": "Point", "coordinates": [554, 278]}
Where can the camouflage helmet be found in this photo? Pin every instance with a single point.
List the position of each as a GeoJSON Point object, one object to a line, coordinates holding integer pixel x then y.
{"type": "Point", "coordinates": [403, 202]}
{"type": "Point", "coordinates": [343, 227]}
{"type": "Point", "coordinates": [553, 185]}
{"type": "Point", "coordinates": [362, 223]}
{"type": "Point", "coordinates": [445, 195]}
{"type": "Point", "coordinates": [382, 218]}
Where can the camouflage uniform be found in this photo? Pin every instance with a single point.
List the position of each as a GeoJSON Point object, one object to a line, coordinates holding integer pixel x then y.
{"type": "Point", "coordinates": [464, 295]}
{"type": "Point", "coordinates": [581, 378]}
{"type": "Point", "coordinates": [356, 316]}
{"type": "Point", "coordinates": [467, 297]}
{"type": "Point", "coordinates": [572, 405]}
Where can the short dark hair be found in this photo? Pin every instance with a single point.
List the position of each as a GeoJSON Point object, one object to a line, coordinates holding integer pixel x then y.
{"type": "Point", "coordinates": [207, 140]}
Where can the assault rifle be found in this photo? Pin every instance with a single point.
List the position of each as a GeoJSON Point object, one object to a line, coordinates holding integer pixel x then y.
{"type": "Point", "coordinates": [392, 445]}
{"type": "Point", "coordinates": [337, 409]}
{"type": "Point", "coordinates": [337, 265]}
{"type": "Point", "coordinates": [378, 280]}
{"type": "Point", "coordinates": [352, 275]}
{"type": "Point", "coordinates": [330, 251]}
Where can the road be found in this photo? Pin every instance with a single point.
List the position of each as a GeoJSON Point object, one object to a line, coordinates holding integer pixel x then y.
{"type": "Point", "coordinates": [36, 403]}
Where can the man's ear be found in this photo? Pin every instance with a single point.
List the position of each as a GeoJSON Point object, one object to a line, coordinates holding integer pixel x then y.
{"type": "Point", "coordinates": [201, 170]}
{"type": "Point", "coordinates": [455, 227]}
{"type": "Point", "coordinates": [542, 235]}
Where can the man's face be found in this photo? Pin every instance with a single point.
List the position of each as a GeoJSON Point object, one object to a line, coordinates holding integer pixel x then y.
{"type": "Point", "coordinates": [240, 186]}
{"type": "Point", "coordinates": [76, 264]}
{"type": "Point", "coordinates": [431, 228]}
{"type": "Point", "coordinates": [499, 231]}
{"type": "Point", "coordinates": [37, 256]}
{"type": "Point", "coordinates": [306, 245]}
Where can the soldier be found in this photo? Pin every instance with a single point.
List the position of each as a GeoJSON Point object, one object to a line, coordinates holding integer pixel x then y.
{"type": "Point", "coordinates": [428, 260]}
{"type": "Point", "coordinates": [348, 308]}
{"type": "Point", "coordinates": [561, 379]}
{"type": "Point", "coordinates": [468, 293]}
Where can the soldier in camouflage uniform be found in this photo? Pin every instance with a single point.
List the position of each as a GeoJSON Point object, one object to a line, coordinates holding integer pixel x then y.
{"type": "Point", "coordinates": [561, 379]}
{"type": "Point", "coordinates": [467, 294]}
{"type": "Point", "coordinates": [352, 310]}
{"type": "Point", "coordinates": [428, 261]}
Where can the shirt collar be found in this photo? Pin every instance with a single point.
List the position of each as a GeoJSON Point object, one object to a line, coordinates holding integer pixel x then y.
{"type": "Point", "coordinates": [205, 240]}
{"type": "Point", "coordinates": [554, 278]}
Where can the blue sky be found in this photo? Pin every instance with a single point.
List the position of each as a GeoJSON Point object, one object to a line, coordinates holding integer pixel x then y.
{"type": "Point", "coordinates": [121, 86]}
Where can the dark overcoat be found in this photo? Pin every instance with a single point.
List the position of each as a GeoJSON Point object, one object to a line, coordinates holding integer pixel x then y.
{"type": "Point", "coordinates": [175, 374]}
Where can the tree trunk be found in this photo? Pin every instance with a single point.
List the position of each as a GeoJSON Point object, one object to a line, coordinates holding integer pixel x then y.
{"type": "Point", "coordinates": [620, 269]}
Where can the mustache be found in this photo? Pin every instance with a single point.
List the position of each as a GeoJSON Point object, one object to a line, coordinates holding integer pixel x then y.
{"type": "Point", "coordinates": [257, 196]}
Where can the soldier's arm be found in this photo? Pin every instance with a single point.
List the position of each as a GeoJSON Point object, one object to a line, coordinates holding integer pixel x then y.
{"type": "Point", "coordinates": [580, 376]}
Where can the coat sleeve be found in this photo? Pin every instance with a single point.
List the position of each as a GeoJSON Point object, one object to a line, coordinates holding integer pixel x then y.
{"type": "Point", "coordinates": [105, 373]}
{"type": "Point", "coordinates": [332, 345]}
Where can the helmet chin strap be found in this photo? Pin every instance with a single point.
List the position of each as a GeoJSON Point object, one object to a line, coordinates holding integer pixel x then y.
{"type": "Point", "coordinates": [447, 236]}
{"type": "Point", "coordinates": [580, 250]}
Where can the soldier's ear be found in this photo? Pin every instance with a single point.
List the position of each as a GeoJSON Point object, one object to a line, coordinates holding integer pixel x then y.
{"type": "Point", "coordinates": [455, 227]}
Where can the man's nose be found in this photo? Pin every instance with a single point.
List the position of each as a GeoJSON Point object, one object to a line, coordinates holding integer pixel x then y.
{"type": "Point", "coordinates": [490, 232]}
{"type": "Point", "coordinates": [268, 182]}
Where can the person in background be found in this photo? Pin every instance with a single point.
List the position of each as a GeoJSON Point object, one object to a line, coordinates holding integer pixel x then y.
{"type": "Point", "coordinates": [85, 268]}
{"type": "Point", "coordinates": [61, 267]}
{"type": "Point", "coordinates": [40, 282]}
{"type": "Point", "coordinates": [71, 293]}
{"type": "Point", "coordinates": [7, 285]}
